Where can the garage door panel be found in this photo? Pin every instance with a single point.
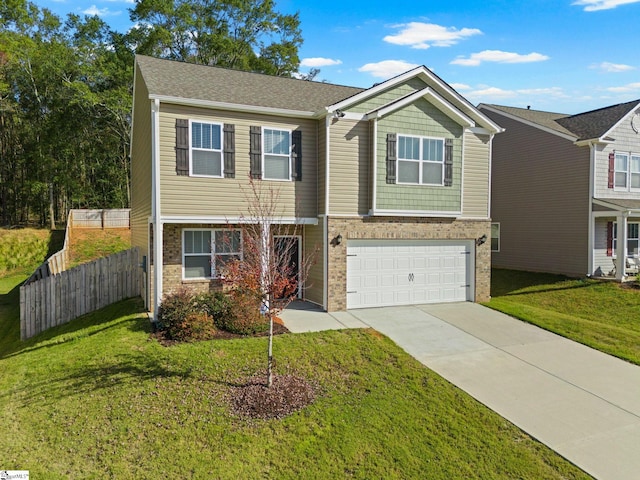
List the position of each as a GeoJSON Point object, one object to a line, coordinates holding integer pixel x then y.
{"type": "Point", "coordinates": [385, 272]}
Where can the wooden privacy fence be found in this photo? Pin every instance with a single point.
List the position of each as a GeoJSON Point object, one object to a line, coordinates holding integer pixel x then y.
{"type": "Point", "coordinates": [60, 298]}
{"type": "Point", "coordinates": [113, 218]}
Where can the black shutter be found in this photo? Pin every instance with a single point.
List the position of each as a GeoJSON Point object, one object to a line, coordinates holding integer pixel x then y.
{"type": "Point", "coordinates": [296, 154]}
{"type": "Point", "coordinates": [229, 150]}
{"type": "Point", "coordinates": [391, 157]}
{"type": "Point", "coordinates": [182, 146]}
{"type": "Point", "coordinates": [255, 152]}
{"type": "Point", "coordinates": [448, 162]}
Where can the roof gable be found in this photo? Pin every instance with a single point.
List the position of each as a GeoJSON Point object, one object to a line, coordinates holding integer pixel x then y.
{"type": "Point", "coordinates": [592, 125]}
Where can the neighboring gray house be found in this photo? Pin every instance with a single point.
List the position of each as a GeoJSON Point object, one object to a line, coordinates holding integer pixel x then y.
{"type": "Point", "coordinates": [566, 190]}
{"type": "Point", "coordinates": [390, 183]}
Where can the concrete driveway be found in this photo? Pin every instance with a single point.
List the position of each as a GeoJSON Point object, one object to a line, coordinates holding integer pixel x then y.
{"type": "Point", "coordinates": [583, 404]}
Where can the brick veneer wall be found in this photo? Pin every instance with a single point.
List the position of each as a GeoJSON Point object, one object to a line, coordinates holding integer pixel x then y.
{"type": "Point", "coordinates": [404, 228]}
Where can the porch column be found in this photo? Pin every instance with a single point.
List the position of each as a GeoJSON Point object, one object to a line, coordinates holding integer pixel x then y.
{"type": "Point", "coordinates": [621, 247]}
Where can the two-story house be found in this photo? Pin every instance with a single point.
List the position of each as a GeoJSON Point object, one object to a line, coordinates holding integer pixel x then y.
{"type": "Point", "coordinates": [390, 184]}
{"type": "Point", "coordinates": [566, 190]}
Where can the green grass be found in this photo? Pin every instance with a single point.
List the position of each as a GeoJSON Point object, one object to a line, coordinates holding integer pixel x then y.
{"type": "Point", "coordinates": [97, 398]}
{"type": "Point", "coordinates": [87, 245]}
{"type": "Point", "coordinates": [603, 315]}
{"type": "Point", "coordinates": [22, 250]}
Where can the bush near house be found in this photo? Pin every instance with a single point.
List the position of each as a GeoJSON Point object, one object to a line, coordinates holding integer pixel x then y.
{"type": "Point", "coordinates": [183, 316]}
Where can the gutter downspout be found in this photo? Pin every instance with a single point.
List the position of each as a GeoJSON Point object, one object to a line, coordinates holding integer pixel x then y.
{"type": "Point", "coordinates": [325, 228]}
{"type": "Point", "coordinates": [155, 208]}
{"type": "Point", "coordinates": [591, 217]}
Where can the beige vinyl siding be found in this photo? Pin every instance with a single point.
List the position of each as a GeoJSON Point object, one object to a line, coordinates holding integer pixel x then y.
{"type": "Point", "coordinates": [349, 167]}
{"type": "Point", "coordinates": [475, 190]}
{"type": "Point", "coordinates": [540, 197]}
{"type": "Point", "coordinates": [626, 140]}
{"type": "Point", "coordinates": [141, 169]}
{"type": "Point", "coordinates": [388, 96]}
{"type": "Point", "coordinates": [197, 196]}
{"type": "Point", "coordinates": [313, 245]}
{"type": "Point", "coordinates": [423, 119]}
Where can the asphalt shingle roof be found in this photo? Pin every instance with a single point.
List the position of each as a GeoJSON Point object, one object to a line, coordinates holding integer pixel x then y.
{"type": "Point", "coordinates": [200, 82]}
{"type": "Point", "coordinates": [583, 126]}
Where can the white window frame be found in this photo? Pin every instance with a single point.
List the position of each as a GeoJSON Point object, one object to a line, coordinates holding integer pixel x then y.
{"type": "Point", "coordinates": [192, 148]}
{"type": "Point", "coordinates": [265, 153]}
{"type": "Point", "coordinates": [614, 243]}
{"type": "Point", "coordinates": [421, 161]}
{"type": "Point", "coordinates": [632, 173]}
{"type": "Point", "coordinates": [213, 253]}
{"type": "Point", "coordinates": [629, 172]}
{"type": "Point", "coordinates": [498, 237]}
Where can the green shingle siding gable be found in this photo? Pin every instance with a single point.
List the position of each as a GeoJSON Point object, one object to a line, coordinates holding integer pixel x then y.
{"type": "Point", "coordinates": [388, 96]}
{"type": "Point", "coordinates": [420, 118]}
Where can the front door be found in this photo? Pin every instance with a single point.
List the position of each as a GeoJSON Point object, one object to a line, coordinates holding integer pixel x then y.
{"type": "Point", "coordinates": [287, 248]}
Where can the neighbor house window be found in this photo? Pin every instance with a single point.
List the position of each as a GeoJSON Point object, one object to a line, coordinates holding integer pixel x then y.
{"type": "Point", "coordinates": [420, 160]}
{"type": "Point", "coordinates": [634, 168]}
{"type": "Point", "coordinates": [633, 238]}
{"type": "Point", "coordinates": [276, 160]}
{"type": "Point", "coordinates": [621, 167]}
{"type": "Point", "coordinates": [495, 237]}
{"type": "Point", "coordinates": [206, 251]}
{"type": "Point", "coordinates": [206, 149]}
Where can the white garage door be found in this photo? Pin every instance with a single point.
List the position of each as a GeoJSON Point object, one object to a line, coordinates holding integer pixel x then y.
{"type": "Point", "coordinates": [404, 272]}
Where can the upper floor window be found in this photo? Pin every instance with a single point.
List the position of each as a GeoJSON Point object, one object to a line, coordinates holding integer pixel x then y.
{"type": "Point", "coordinates": [626, 170]}
{"type": "Point", "coordinates": [277, 154]}
{"type": "Point", "coordinates": [206, 251]}
{"type": "Point", "coordinates": [420, 160]}
{"type": "Point", "coordinates": [206, 149]}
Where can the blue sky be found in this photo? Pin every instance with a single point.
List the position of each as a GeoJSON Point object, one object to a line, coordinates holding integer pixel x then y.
{"type": "Point", "coordinates": [565, 56]}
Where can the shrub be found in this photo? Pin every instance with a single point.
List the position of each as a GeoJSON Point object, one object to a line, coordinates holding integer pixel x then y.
{"type": "Point", "coordinates": [181, 319]}
{"type": "Point", "coordinates": [244, 317]}
{"type": "Point", "coordinates": [216, 304]}
{"type": "Point", "coordinates": [196, 326]}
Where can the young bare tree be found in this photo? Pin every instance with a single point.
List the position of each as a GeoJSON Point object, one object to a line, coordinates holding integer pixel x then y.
{"type": "Point", "coordinates": [272, 269]}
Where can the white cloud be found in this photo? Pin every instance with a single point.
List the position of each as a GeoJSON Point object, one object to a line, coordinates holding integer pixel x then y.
{"type": "Point", "coordinates": [498, 56]}
{"type": "Point", "coordinates": [319, 62]}
{"type": "Point", "coordinates": [100, 12]}
{"type": "Point", "coordinates": [595, 5]}
{"type": "Point", "coordinates": [630, 87]}
{"type": "Point", "coordinates": [387, 68]}
{"type": "Point", "coordinates": [460, 86]}
{"type": "Point", "coordinates": [423, 35]}
{"type": "Point", "coordinates": [547, 92]}
{"type": "Point", "coordinates": [612, 67]}
{"type": "Point", "coordinates": [488, 93]}
{"type": "Point", "coordinates": [485, 93]}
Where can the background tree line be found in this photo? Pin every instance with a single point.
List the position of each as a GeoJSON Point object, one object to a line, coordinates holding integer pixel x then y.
{"type": "Point", "coordinates": [66, 91]}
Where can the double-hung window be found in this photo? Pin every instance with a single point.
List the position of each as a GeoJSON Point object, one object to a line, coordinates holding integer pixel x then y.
{"type": "Point", "coordinates": [495, 237]}
{"type": "Point", "coordinates": [633, 238]}
{"type": "Point", "coordinates": [206, 251]}
{"type": "Point", "coordinates": [621, 167]}
{"type": "Point", "coordinates": [276, 160]}
{"type": "Point", "coordinates": [627, 171]}
{"type": "Point", "coordinates": [206, 149]}
{"type": "Point", "coordinates": [420, 160]}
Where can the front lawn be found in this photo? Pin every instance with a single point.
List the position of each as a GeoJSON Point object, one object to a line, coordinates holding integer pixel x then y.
{"type": "Point", "coordinates": [603, 315]}
{"type": "Point", "coordinates": [98, 398]}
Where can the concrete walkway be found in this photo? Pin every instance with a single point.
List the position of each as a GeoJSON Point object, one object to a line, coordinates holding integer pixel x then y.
{"type": "Point", "coordinates": [583, 404]}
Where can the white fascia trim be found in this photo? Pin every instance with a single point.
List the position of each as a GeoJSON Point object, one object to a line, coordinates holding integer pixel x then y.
{"type": "Point", "coordinates": [234, 107]}
{"type": "Point", "coordinates": [343, 115]}
{"type": "Point", "coordinates": [490, 189]}
{"type": "Point", "coordinates": [373, 91]}
{"type": "Point", "coordinates": [614, 207]}
{"type": "Point", "coordinates": [482, 131]}
{"type": "Point", "coordinates": [238, 220]}
{"type": "Point", "coordinates": [375, 165]}
{"type": "Point", "coordinates": [529, 123]}
{"type": "Point", "coordinates": [593, 141]}
{"type": "Point", "coordinates": [414, 213]}
{"type": "Point", "coordinates": [617, 124]}
{"type": "Point", "coordinates": [431, 96]}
